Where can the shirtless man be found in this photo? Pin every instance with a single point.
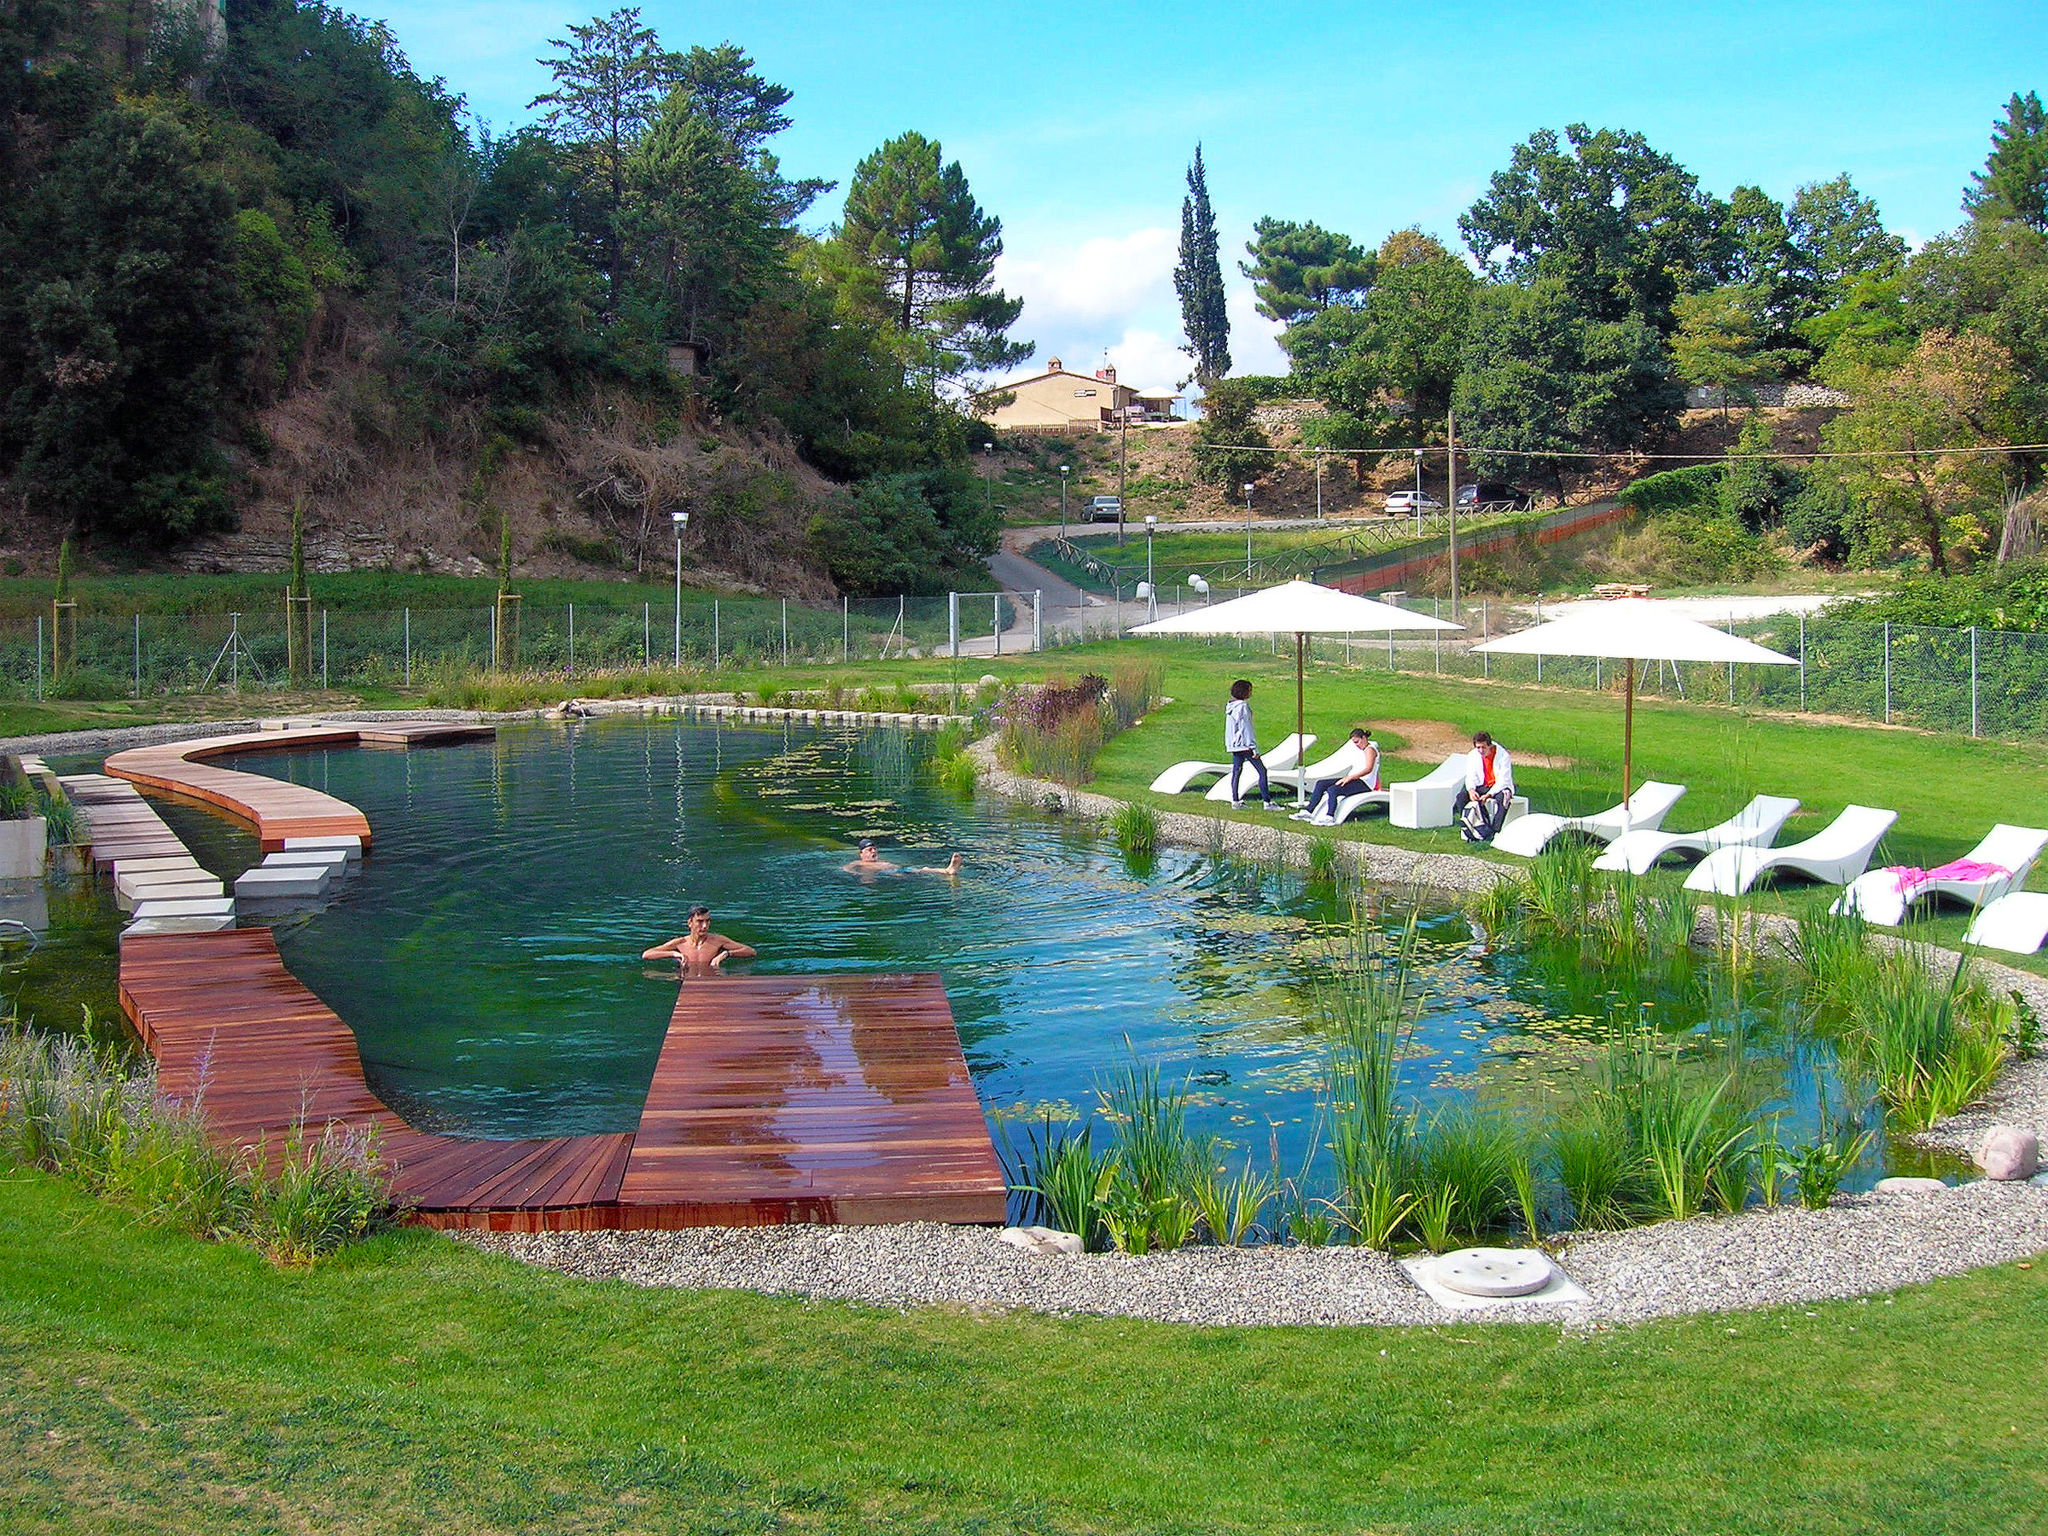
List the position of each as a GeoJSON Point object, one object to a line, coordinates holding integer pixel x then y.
{"type": "Point", "coordinates": [700, 949]}
{"type": "Point", "coordinates": [869, 862]}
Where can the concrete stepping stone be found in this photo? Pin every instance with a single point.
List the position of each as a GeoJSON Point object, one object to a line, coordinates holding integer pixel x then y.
{"type": "Point", "coordinates": [273, 882]}
{"type": "Point", "coordinates": [128, 881]}
{"type": "Point", "coordinates": [167, 890]}
{"type": "Point", "coordinates": [155, 861]}
{"type": "Point", "coordinates": [347, 842]}
{"type": "Point", "coordinates": [200, 906]}
{"type": "Point", "coordinates": [334, 861]}
{"type": "Point", "coordinates": [149, 925]}
{"type": "Point", "coordinates": [1495, 1271]}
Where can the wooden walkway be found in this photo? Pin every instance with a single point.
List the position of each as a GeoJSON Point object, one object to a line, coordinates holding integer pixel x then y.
{"type": "Point", "coordinates": [775, 1099]}
{"type": "Point", "coordinates": [119, 823]}
{"type": "Point", "coordinates": [273, 808]}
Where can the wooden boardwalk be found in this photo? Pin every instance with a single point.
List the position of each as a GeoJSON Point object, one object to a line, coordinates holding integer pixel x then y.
{"type": "Point", "coordinates": [273, 808]}
{"type": "Point", "coordinates": [119, 823]}
{"type": "Point", "coordinates": [775, 1099]}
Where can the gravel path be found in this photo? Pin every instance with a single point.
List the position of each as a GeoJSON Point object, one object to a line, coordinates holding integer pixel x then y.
{"type": "Point", "coordinates": [1859, 1246]}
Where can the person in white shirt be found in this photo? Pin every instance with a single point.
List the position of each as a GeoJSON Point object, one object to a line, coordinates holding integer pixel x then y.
{"type": "Point", "coordinates": [1489, 784]}
{"type": "Point", "coordinates": [1356, 770]}
{"type": "Point", "coordinates": [1242, 743]}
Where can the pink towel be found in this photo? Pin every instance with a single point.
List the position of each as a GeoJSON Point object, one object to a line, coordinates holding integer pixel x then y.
{"type": "Point", "coordinates": [1911, 881]}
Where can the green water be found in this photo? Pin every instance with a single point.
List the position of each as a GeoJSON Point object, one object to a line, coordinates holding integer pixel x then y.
{"type": "Point", "coordinates": [487, 956]}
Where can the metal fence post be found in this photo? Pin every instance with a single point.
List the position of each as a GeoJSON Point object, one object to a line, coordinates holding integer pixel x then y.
{"type": "Point", "coordinates": [1730, 628]}
{"type": "Point", "coordinates": [138, 655]}
{"type": "Point", "coordinates": [323, 651]}
{"type": "Point", "coordinates": [845, 630]}
{"type": "Point", "coordinates": [1973, 679]}
{"type": "Point", "coordinates": [1887, 671]}
{"type": "Point", "coordinates": [953, 623]}
{"type": "Point", "coordinates": [408, 647]}
{"type": "Point", "coordinates": [714, 634]}
{"type": "Point", "coordinates": [785, 631]}
{"type": "Point", "coordinates": [1437, 635]}
{"type": "Point", "coordinates": [39, 658]}
{"type": "Point", "coordinates": [572, 639]}
{"type": "Point", "coordinates": [1802, 663]}
{"type": "Point", "coordinates": [1037, 620]}
{"type": "Point", "coordinates": [646, 636]}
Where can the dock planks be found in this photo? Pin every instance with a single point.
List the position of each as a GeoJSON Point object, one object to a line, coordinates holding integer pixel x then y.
{"type": "Point", "coordinates": [775, 1099]}
{"type": "Point", "coordinates": [273, 808]}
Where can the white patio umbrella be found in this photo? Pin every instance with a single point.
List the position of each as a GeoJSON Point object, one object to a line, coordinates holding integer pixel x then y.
{"type": "Point", "coordinates": [1632, 630]}
{"type": "Point", "coordinates": [1299, 608]}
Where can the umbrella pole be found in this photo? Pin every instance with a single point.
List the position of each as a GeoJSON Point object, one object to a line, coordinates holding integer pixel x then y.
{"type": "Point", "coordinates": [1628, 737]}
{"type": "Point", "coordinates": [1300, 715]}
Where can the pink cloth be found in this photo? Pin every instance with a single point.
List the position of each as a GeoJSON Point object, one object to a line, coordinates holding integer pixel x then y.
{"type": "Point", "coordinates": [1912, 880]}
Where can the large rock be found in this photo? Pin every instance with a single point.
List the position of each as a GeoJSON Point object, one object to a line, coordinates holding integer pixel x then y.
{"type": "Point", "coordinates": [1903, 1184]}
{"type": "Point", "coordinates": [2009, 1153]}
{"type": "Point", "coordinates": [1044, 1241]}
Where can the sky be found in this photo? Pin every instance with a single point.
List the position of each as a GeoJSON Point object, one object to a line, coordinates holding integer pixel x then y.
{"type": "Point", "coordinates": [1075, 123]}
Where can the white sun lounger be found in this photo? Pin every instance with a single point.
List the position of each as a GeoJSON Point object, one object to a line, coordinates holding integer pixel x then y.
{"type": "Point", "coordinates": [2016, 922]}
{"type": "Point", "coordinates": [1181, 776]}
{"type": "Point", "coordinates": [1427, 801]}
{"type": "Point", "coordinates": [1837, 854]}
{"type": "Point", "coordinates": [1282, 771]}
{"type": "Point", "coordinates": [1877, 897]}
{"type": "Point", "coordinates": [1450, 771]}
{"type": "Point", "coordinates": [1647, 807]}
{"type": "Point", "coordinates": [1756, 825]}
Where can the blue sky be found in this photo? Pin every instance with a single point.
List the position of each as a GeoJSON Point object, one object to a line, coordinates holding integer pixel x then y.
{"type": "Point", "coordinates": [1075, 122]}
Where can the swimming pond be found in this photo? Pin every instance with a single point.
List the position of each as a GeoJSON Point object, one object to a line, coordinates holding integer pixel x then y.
{"type": "Point", "coordinates": [487, 957]}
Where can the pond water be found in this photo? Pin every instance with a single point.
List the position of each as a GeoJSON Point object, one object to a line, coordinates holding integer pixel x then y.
{"type": "Point", "coordinates": [487, 957]}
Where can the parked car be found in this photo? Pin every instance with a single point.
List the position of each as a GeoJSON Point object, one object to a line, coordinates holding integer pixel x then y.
{"type": "Point", "coordinates": [1408, 503]}
{"type": "Point", "coordinates": [1495, 493]}
{"type": "Point", "coordinates": [1103, 509]}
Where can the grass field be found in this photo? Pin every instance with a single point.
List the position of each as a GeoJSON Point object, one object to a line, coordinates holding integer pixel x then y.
{"type": "Point", "coordinates": [156, 1383]}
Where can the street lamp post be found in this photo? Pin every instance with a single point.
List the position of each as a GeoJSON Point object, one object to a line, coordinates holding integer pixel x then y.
{"type": "Point", "coordinates": [1319, 485]}
{"type": "Point", "coordinates": [1247, 533]}
{"type": "Point", "coordinates": [988, 479]}
{"type": "Point", "coordinates": [1151, 588]}
{"type": "Point", "coordinates": [682, 521]}
{"type": "Point", "coordinates": [1063, 501]}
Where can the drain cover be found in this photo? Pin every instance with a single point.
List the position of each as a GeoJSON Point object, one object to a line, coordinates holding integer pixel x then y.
{"type": "Point", "coordinates": [1494, 1271]}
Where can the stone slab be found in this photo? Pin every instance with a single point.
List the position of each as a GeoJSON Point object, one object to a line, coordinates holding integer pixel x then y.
{"type": "Point", "coordinates": [333, 860]}
{"type": "Point", "coordinates": [167, 890]}
{"type": "Point", "coordinates": [215, 906]}
{"type": "Point", "coordinates": [1563, 1291]}
{"type": "Point", "coordinates": [145, 863]}
{"type": "Point", "coordinates": [129, 881]}
{"type": "Point", "coordinates": [268, 882]}
{"type": "Point", "coordinates": [351, 845]}
{"type": "Point", "coordinates": [149, 925]}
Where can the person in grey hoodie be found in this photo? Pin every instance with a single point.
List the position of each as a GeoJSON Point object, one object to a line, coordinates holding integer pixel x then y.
{"type": "Point", "coordinates": [1242, 743]}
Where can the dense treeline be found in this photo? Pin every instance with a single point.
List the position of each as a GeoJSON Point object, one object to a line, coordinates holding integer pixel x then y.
{"type": "Point", "coordinates": [197, 208]}
{"type": "Point", "coordinates": [1604, 279]}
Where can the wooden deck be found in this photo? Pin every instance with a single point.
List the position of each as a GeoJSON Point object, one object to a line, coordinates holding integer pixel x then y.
{"type": "Point", "coordinates": [119, 823]}
{"type": "Point", "coordinates": [273, 808]}
{"type": "Point", "coordinates": [775, 1099]}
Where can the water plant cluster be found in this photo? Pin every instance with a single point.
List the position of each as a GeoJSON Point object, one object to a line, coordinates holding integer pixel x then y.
{"type": "Point", "coordinates": [82, 1106]}
{"type": "Point", "coordinates": [1666, 1127]}
{"type": "Point", "coordinates": [1057, 730]}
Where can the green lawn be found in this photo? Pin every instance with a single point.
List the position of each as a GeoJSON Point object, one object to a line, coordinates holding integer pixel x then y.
{"type": "Point", "coordinates": [155, 1383]}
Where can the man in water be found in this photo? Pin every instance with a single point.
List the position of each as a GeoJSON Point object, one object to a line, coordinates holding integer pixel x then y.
{"type": "Point", "coordinates": [870, 862]}
{"type": "Point", "coordinates": [700, 949]}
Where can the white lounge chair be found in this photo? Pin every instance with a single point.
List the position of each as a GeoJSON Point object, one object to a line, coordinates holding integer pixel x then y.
{"type": "Point", "coordinates": [1837, 854]}
{"type": "Point", "coordinates": [1451, 770]}
{"type": "Point", "coordinates": [1756, 825]}
{"type": "Point", "coordinates": [1647, 807]}
{"type": "Point", "coordinates": [1427, 801]}
{"type": "Point", "coordinates": [1882, 896]}
{"type": "Point", "coordinates": [1181, 776]}
{"type": "Point", "coordinates": [2016, 922]}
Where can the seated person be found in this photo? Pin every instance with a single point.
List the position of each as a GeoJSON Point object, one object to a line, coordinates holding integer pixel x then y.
{"type": "Point", "coordinates": [700, 949]}
{"type": "Point", "coordinates": [1482, 803]}
{"type": "Point", "coordinates": [1357, 771]}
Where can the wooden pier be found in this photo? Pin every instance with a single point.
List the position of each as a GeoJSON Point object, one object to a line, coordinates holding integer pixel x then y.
{"type": "Point", "coordinates": [775, 1099]}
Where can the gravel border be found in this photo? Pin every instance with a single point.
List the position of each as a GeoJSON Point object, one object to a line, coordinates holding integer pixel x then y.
{"type": "Point", "coordinates": [1859, 1246]}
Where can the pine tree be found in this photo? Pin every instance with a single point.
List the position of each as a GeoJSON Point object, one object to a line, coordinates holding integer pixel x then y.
{"type": "Point", "coordinates": [1199, 280]}
{"type": "Point", "coordinates": [2014, 182]}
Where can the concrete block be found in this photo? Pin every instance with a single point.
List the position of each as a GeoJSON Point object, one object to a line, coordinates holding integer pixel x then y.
{"type": "Point", "coordinates": [270, 882]}
{"type": "Point", "coordinates": [147, 925]}
{"type": "Point", "coordinates": [127, 880]}
{"type": "Point", "coordinates": [167, 890]}
{"type": "Point", "coordinates": [142, 863]}
{"type": "Point", "coordinates": [333, 860]}
{"type": "Point", "coordinates": [201, 906]}
{"type": "Point", "coordinates": [346, 842]}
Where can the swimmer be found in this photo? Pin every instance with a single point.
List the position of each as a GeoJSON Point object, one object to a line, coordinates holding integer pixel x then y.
{"type": "Point", "coordinates": [700, 948]}
{"type": "Point", "coordinates": [870, 862]}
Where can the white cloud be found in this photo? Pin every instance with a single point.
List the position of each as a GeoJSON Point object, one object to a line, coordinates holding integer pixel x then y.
{"type": "Point", "coordinates": [1148, 359]}
{"type": "Point", "coordinates": [1103, 279]}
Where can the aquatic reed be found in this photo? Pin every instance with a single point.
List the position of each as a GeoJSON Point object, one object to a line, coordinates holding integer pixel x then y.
{"type": "Point", "coordinates": [1135, 829]}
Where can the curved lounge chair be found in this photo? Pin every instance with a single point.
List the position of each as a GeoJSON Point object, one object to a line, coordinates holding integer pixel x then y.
{"type": "Point", "coordinates": [1837, 854]}
{"type": "Point", "coordinates": [1278, 761]}
{"type": "Point", "coordinates": [1881, 897]}
{"type": "Point", "coordinates": [1756, 825]}
{"type": "Point", "coordinates": [1182, 776]}
{"type": "Point", "coordinates": [1647, 807]}
{"type": "Point", "coordinates": [2016, 922]}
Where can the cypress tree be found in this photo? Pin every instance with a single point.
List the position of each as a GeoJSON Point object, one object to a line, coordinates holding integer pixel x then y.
{"type": "Point", "coordinates": [1199, 280]}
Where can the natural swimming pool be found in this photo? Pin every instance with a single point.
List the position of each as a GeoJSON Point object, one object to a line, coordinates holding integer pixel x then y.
{"type": "Point", "coordinates": [487, 958]}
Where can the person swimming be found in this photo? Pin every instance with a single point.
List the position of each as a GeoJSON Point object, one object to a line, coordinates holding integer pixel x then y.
{"type": "Point", "coordinates": [870, 862]}
{"type": "Point", "coordinates": [700, 949]}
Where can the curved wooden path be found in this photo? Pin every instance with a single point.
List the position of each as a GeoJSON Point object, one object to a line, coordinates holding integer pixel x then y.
{"type": "Point", "coordinates": [272, 808]}
{"type": "Point", "coordinates": [774, 1099]}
